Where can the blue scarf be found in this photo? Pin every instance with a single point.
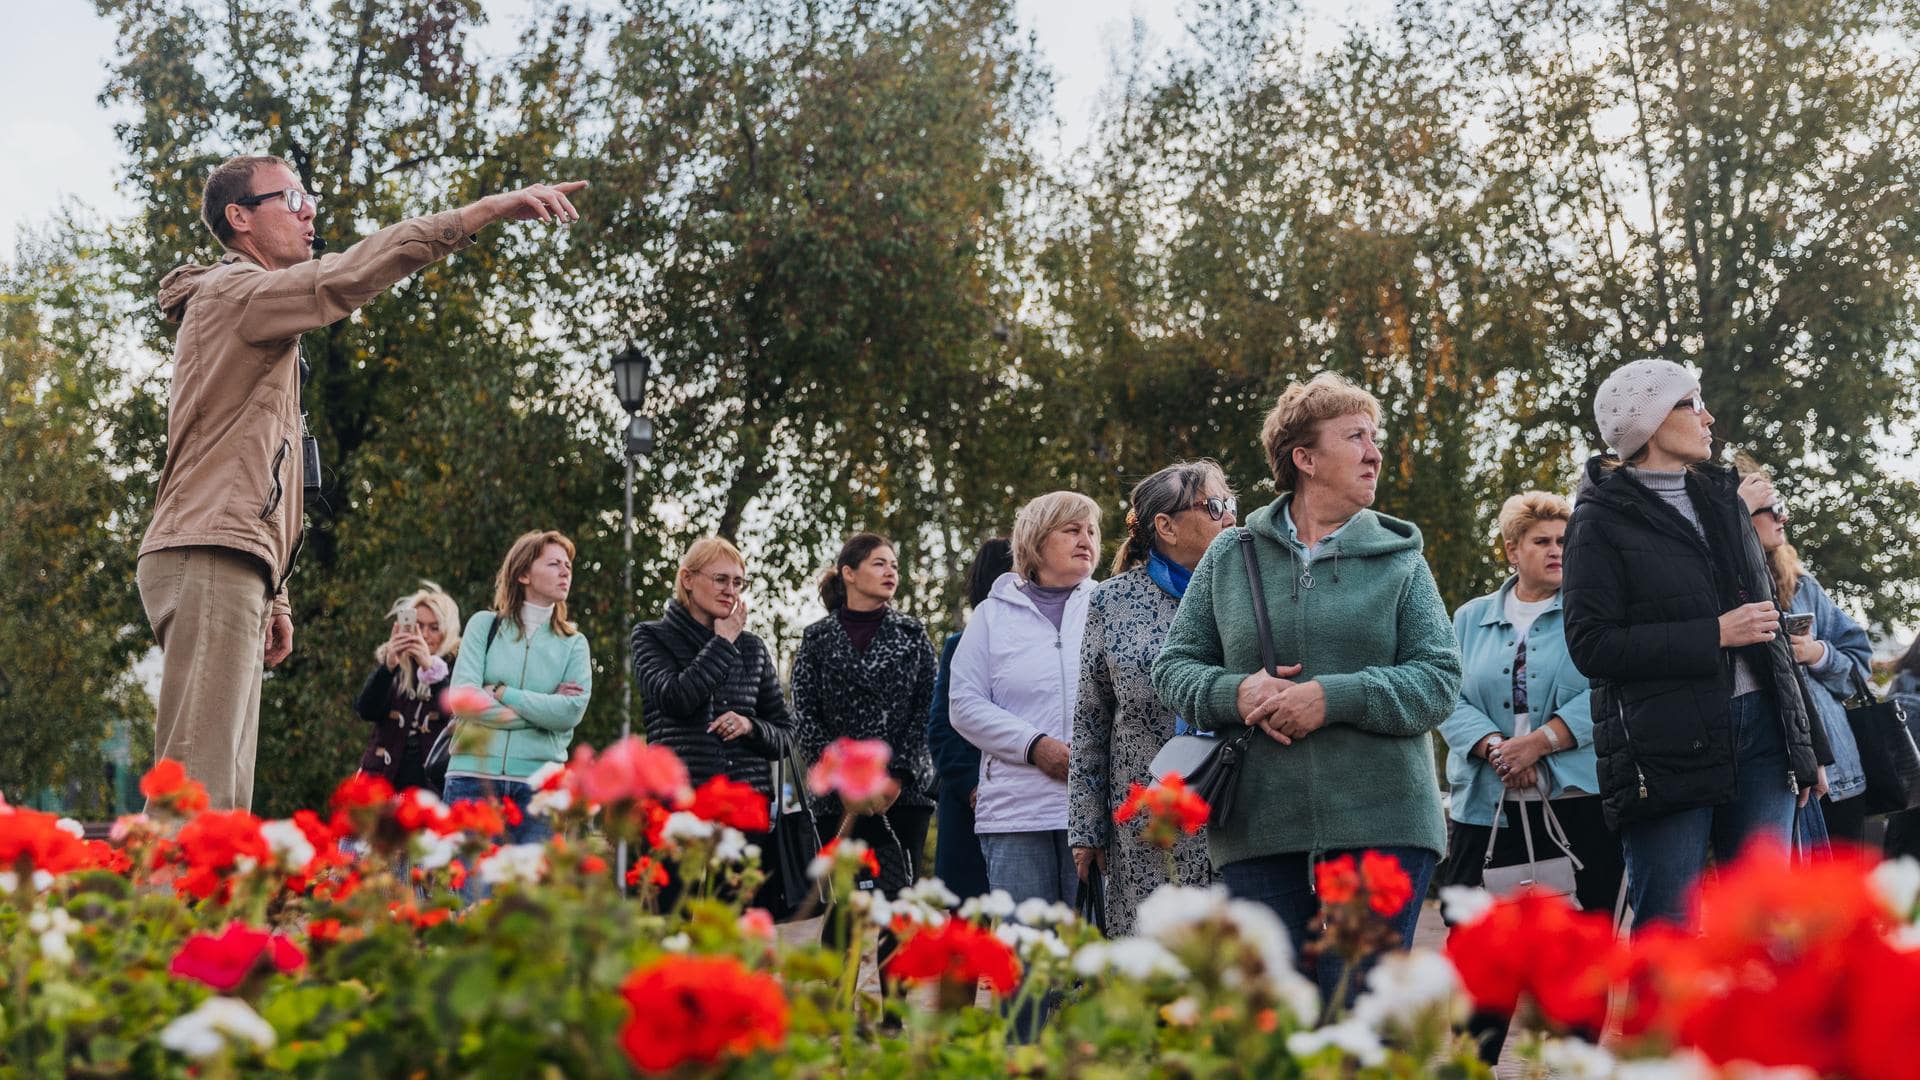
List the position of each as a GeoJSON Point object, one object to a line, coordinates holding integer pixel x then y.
{"type": "Point", "coordinates": [1169, 575]}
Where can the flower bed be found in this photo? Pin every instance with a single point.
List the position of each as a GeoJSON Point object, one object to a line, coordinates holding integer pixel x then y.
{"type": "Point", "coordinates": [214, 944]}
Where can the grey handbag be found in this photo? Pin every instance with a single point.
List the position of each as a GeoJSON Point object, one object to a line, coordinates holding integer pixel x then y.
{"type": "Point", "coordinates": [1554, 876]}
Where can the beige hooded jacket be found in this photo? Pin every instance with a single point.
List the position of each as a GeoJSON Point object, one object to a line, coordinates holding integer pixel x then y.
{"type": "Point", "coordinates": [232, 475]}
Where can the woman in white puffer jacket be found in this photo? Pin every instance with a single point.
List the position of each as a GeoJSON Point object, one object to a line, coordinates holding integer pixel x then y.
{"type": "Point", "coordinates": [1015, 677]}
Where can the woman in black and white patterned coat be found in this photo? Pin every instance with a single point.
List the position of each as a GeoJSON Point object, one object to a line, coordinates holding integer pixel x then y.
{"type": "Point", "coordinates": [1118, 722]}
{"type": "Point", "coordinates": [867, 671]}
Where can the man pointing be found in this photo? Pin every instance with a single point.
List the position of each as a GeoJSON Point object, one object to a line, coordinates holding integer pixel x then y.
{"type": "Point", "coordinates": [227, 518]}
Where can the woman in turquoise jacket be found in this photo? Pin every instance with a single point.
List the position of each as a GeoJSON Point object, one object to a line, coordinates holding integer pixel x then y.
{"type": "Point", "coordinates": [534, 662]}
{"type": "Point", "coordinates": [1523, 728]}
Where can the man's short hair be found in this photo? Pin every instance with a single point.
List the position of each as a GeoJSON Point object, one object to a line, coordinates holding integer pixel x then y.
{"type": "Point", "coordinates": [227, 184]}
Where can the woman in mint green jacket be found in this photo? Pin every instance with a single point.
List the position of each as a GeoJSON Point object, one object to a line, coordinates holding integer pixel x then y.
{"type": "Point", "coordinates": [1523, 729]}
{"type": "Point", "coordinates": [1342, 760]}
{"type": "Point", "coordinates": [534, 662]}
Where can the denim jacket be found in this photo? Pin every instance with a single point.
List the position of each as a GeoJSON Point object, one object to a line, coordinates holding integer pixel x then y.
{"type": "Point", "coordinates": [1830, 682]}
{"type": "Point", "coordinates": [1555, 687]}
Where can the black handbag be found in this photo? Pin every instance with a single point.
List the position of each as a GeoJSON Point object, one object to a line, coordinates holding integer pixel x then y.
{"type": "Point", "coordinates": [1210, 765]}
{"type": "Point", "coordinates": [1888, 754]}
{"type": "Point", "coordinates": [795, 840]}
{"type": "Point", "coordinates": [441, 751]}
{"type": "Point", "coordinates": [1091, 904]}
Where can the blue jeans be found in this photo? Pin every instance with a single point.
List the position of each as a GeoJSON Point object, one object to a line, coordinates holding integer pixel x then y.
{"type": "Point", "coordinates": [533, 829]}
{"type": "Point", "coordinates": [1284, 883]}
{"type": "Point", "coordinates": [1030, 864]}
{"type": "Point", "coordinates": [1667, 855]}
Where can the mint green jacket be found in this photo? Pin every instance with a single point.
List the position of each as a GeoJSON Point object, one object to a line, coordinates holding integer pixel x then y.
{"type": "Point", "coordinates": [536, 725]}
{"type": "Point", "coordinates": [1369, 626]}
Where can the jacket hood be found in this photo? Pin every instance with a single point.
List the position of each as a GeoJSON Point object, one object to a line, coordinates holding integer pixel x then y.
{"type": "Point", "coordinates": [1367, 533]}
{"type": "Point", "coordinates": [1010, 588]}
{"type": "Point", "coordinates": [178, 287]}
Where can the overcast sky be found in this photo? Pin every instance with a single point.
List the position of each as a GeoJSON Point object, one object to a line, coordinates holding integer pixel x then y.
{"type": "Point", "coordinates": [57, 143]}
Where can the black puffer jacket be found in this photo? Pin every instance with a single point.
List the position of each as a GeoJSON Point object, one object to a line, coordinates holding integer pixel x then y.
{"type": "Point", "coordinates": [884, 693]}
{"type": "Point", "coordinates": [1643, 596]}
{"type": "Point", "coordinates": [687, 675]}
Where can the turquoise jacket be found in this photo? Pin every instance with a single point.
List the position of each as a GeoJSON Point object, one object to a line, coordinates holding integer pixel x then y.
{"type": "Point", "coordinates": [1366, 622]}
{"type": "Point", "coordinates": [537, 724]}
{"type": "Point", "coordinates": [1554, 688]}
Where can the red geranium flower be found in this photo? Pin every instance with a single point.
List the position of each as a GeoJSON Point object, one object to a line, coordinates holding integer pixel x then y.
{"type": "Point", "coordinates": [212, 845]}
{"type": "Point", "coordinates": [32, 840]}
{"type": "Point", "coordinates": [168, 787]}
{"type": "Point", "coordinates": [726, 802]}
{"type": "Point", "coordinates": [696, 1009]}
{"type": "Point", "coordinates": [630, 771]}
{"type": "Point", "coordinates": [224, 962]}
{"type": "Point", "coordinates": [323, 930]}
{"type": "Point", "coordinates": [1337, 881]}
{"type": "Point", "coordinates": [361, 791]}
{"type": "Point", "coordinates": [1170, 809]}
{"type": "Point", "coordinates": [854, 769]}
{"type": "Point", "coordinates": [1388, 887]}
{"type": "Point", "coordinates": [867, 859]}
{"type": "Point", "coordinates": [957, 953]}
{"type": "Point", "coordinates": [1537, 945]}
{"type": "Point", "coordinates": [646, 870]}
{"type": "Point", "coordinates": [467, 701]}
{"type": "Point", "coordinates": [478, 816]}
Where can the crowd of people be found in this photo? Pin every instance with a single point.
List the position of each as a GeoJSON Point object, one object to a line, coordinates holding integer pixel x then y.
{"type": "Point", "coordinates": [1659, 681]}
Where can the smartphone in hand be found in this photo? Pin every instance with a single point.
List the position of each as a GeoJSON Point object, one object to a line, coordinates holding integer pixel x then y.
{"type": "Point", "coordinates": [1797, 624]}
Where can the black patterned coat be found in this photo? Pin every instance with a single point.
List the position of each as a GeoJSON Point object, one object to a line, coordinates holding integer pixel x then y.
{"type": "Point", "coordinates": [883, 693]}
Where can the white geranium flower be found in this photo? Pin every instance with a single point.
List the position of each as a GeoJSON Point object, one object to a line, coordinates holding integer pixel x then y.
{"type": "Point", "coordinates": [1135, 958]}
{"type": "Point", "coordinates": [290, 847]}
{"type": "Point", "coordinates": [1898, 883]}
{"type": "Point", "coordinates": [218, 1022]}
{"type": "Point", "coordinates": [732, 847]}
{"type": "Point", "coordinates": [1462, 904]}
{"type": "Point", "coordinates": [70, 826]}
{"type": "Point", "coordinates": [930, 892]}
{"type": "Point", "coordinates": [1173, 908]}
{"type": "Point", "coordinates": [1181, 1012]}
{"type": "Point", "coordinates": [9, 881]}
{"type": "Point", "coordinates": [678, 943]}
{"type": "Point", "coordinates": [1350, 1037]}
{"type": "Point", "coordinates": [997, 904]}
{"type": "Point", "coordinates": [541, 775]}
{"type": "Point", "coordinates": [53, 926]}
{"type": "Point", "coordinates": [682, 826]}
{"type": "Point", "coordinates": [1030, 941]}
{"type": "Point", "coordinates": [1037, 912]}
{"type": "Point", "coordinates": [1575, 1059]}
{"type": "Point", "coordinates": [431, 851]}
{"type": "Point", "coordinates": [1403, 987]}
{"type": "Point", "coordinates": [845, 850]}
{"type": "Point", "coordinates": [524, 863]}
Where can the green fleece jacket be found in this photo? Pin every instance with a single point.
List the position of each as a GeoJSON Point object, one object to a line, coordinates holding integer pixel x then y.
{"type": "Point", "coordinates": [1367, 624]}
{"type": "Point", "coordinates": [537, 724]}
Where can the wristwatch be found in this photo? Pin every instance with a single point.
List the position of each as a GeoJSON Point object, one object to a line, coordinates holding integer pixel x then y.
{"type": "Point", "coordinates": [1493, 744]}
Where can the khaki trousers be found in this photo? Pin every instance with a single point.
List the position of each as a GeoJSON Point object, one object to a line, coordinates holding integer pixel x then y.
{"type": "Point", "coordinates": [209, 609]}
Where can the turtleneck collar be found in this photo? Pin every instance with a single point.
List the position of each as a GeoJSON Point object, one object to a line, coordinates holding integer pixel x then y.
{"type": "Point", "coordinates": [533, 616]}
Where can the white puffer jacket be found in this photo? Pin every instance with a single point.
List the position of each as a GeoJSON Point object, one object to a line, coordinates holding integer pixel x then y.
{"type": "Point", "coordinates": [1015, 679]}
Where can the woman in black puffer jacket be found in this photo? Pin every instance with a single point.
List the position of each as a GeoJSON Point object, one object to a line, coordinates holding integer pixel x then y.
{"type": "Point", "coordinates": [1704, 734]}
{"type": "Point", "coordinates": [708, 687]}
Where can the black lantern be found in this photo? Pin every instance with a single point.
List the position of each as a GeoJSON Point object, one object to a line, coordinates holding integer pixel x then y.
{"type": "Point", "coordinates": [630, 370]}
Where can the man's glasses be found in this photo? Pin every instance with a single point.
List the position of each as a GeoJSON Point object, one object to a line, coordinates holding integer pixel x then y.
{"type": "Point", "coordinates": [723, 580]}
{"type": "Point", "coordinates": [1217, 507]}
{"type": "Point", "coordinates": [296, 200]}
{"type": "Point", "coordinates": [1692, 401]}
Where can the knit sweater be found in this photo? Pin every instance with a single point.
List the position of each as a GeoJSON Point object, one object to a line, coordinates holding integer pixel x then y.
{"type": "Point", "coordinates": [1369, 626]}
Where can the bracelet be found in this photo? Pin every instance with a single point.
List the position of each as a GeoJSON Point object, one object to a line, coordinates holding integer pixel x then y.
{"type": "Point", "coordinates": [1493, 745]}
{"type": "Point", "coordinates": [1553, 741]}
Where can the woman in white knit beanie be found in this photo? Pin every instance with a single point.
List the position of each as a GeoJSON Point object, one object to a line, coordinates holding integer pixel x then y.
{"type": "Point", "coordinates": [1701, 724]}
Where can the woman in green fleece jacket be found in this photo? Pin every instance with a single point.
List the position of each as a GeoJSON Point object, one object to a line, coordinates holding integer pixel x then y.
{"type": "Point", "coordinates": [1342, 761]}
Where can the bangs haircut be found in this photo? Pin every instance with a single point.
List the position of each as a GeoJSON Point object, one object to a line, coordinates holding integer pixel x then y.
{"type": "Point", "coordinates": [1043, 516]}
{"type": "Point", "coordinates": [1520, 513]}
{"type": "Point", "coordinates": [704, 553]}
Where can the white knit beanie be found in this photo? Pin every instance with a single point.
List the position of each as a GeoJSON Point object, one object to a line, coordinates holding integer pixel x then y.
{"type": "Point", "coordinates": [1636, 399]}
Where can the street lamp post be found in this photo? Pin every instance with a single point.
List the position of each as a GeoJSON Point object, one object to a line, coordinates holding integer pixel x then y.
{"type": "Point", "coordinates": [630, 370]}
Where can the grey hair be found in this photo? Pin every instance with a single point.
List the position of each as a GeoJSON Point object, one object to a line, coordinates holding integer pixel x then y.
{"type": "Point", "coordinates": [1168, 491]}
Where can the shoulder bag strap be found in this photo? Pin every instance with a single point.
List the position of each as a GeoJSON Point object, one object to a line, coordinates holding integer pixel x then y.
{"type": "Point", "coordinates": [1260, 622]}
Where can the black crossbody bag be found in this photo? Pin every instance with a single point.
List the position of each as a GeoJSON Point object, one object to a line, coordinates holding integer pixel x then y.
{"type": "Point", "coordinates": [1210, 765]}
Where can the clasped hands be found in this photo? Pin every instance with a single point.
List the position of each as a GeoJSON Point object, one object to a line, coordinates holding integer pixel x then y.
{"type": "Point", "coordinates": [1284, 709]}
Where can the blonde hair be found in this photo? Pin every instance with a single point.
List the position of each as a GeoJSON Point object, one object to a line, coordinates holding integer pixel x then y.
{"type": "Point", "coordinates": [1784, 561]}
{"type": "Point", "coordinates": [704, 553]}
{"type": "Point", "coordinates": [1040, 518]}
{"type": "Point", "coordinates": [435, 599]}
{"type": "Point", "coordinates": [1296, 418]}
{"type": "Point", "coordinates": [509, 593]}
{"type": "Point", "coordinates": [1520, 513]}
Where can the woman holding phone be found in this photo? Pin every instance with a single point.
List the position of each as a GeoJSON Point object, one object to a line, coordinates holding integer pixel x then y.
{"type": "Point", "coordinates": [401, 697]}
